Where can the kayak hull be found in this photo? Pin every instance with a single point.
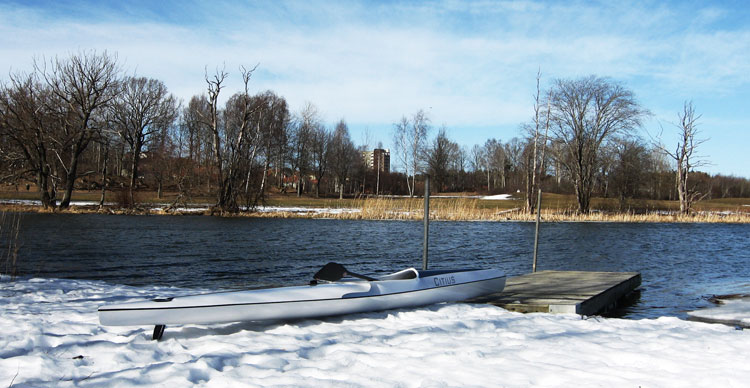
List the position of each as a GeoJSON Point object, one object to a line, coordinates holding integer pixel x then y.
{"type": "Point", "coordinates": [409, 288]}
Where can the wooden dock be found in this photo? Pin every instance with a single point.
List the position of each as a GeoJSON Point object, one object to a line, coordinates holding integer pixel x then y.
{"type": "Point", "coordinates": [576, 292]}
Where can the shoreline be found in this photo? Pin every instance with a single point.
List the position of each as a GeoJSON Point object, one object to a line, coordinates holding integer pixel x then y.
{"type": "Point", "coordinates": [380, 211]}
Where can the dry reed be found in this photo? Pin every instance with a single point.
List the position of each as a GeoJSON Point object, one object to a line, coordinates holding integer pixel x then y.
{"type": "Point", "coordinates": [470, 210]}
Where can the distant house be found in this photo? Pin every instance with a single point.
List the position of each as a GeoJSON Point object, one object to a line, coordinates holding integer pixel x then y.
{"type": "Point", "coordinates": [378, 160]}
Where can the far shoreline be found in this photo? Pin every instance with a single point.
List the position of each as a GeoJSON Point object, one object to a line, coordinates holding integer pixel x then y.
{"type": "Point", "coordinates": [382, 210]}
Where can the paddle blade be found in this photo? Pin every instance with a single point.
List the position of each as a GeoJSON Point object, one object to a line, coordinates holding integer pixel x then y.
{"type": "Point", "coordinates": [330, 272]}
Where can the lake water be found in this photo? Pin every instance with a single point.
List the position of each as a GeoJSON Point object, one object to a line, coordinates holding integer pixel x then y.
{"type": "Point", "coordinates": [681, 264]}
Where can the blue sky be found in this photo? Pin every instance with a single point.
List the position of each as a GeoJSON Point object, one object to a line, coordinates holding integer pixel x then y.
{"type": "Point", "coordinates": [470, 65]}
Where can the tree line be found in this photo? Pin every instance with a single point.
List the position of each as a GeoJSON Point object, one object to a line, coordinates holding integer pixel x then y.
{"type": "Point", "coordinates": [79, 122]}
{"type": "Point", "coordinates": [582, 139]}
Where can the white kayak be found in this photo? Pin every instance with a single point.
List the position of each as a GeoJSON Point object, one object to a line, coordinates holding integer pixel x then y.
{"type": "Point", "coordinates": [407, 288]}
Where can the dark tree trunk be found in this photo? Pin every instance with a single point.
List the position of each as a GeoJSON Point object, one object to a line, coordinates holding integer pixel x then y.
{"type": "Point", "coordinates": [72, 173]}
{"type": "Point", "coordinates": [104, 176]}
{"type": "Point", "coordinates": [42, 180]}
{"type": "Point", "coordinates": [134, 171]}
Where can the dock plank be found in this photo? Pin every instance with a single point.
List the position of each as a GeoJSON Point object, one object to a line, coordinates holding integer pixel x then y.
{"type": "Point", "coordinates": [576, 292]}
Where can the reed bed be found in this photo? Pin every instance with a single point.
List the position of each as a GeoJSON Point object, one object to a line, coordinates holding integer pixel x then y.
{"type": "Point", "coordinates": [474, 210]}
{"type": "Point", "coordinates": [413, 209]}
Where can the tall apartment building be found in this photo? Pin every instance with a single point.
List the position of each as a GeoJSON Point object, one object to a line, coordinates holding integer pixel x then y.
{"type": "Point", "coordinates": [378, 160]}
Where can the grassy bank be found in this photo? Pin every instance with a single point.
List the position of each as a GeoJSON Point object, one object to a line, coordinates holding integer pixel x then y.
{"type": "Point", "coordinates": [555, 208]}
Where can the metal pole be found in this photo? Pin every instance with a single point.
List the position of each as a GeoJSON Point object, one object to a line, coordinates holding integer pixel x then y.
{"type": "Point", "coordinates": [536, 233]}
{"type": "Point", "coordinates": [425, 245]}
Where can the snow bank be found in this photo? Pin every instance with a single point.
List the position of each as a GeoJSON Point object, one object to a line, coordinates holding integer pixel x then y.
{"type": "Point", "coordinates": [730, 311]}
{"type": "Point", "coordinates": [51, 337]}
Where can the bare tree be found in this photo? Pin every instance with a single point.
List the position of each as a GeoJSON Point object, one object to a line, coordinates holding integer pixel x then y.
{"type": "Point", "coordinates": [630, 168]}
{"type": "Point", "coordinates": [272, 116]}
{"type": "Point", "coordinates": [685, 155]}
{"type": "Point", "coordinates": [320, 152]}
{"type": "Point", "coordinates": [164, 153]}
{"type": "Point", "coordinates": [585, 113]}
{"type": "Point", "coordinates": [242, 131]}
{"type": "Point", "coordinates": [401, 143]}
{"type": "Point", "coordinates": [457, 168]}
{"type": "Point", "coordinates": [85, 84]}
{"type": "Point", "coordinates": [494, 159]}
{"type": "Point", "coordinates": [476, 162]}
{"type": "Point", "coordinates": [141, 110]}
{"type": "Point", "coordinates": [234, 140]}
{"type": "Point", "coordinates": [536, 168]}
{"type": "Point", "coordinates": [410, 138]}
{"type": "Point", "coordinates": [343, 155]}
{"type": "Point", "coordinates": [183, 165]}
{"type": "Point", "coordinates": [439, 157]}
{"type": "Point", "coordinates": [300, 143]}
{"type": "Point", "coordinates": [27, 125]}
{"type": "Point", "coordinates": [660, 183]}
{"type": "Point", "coordinates": [105, 142]}
{"type": "Point", "coordinates": [514, 150]}
{"type": "Point", "coordinates": [196, 139]}
{"type": "Point", "coordinates": [211, 119]}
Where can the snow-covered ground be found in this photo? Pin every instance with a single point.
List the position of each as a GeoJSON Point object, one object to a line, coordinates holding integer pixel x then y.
{"type": "Point", "coordinates": [51, 337]}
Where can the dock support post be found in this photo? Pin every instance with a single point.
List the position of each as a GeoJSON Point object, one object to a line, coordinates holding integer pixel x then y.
{"type": "Point", "coordinates": [425, 244]}
{"type": "Point", "coordinates": [536, 233]}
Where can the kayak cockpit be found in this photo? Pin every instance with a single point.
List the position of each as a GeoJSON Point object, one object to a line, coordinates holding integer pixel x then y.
{"type": "Point", "coordinates": [409, 273]}
{"type": "Point", "coordinates": [437, 272]}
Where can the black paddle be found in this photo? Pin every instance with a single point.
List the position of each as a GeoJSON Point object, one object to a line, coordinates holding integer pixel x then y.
{"type": "Point", "coordinates": [332, 272]}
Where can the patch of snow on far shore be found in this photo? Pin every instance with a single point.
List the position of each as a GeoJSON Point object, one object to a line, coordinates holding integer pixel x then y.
{"type": "Point", "coordinates": [314, 210]}
{"type": "Point", "coordinates": [277, 209]}
{"type": "Point", "coordinates": [52, 337]}
{"type": "Point", "coordinates": [270, 209]}
{"type": "Point", "coordinates": [36, 202]}
{"type": "Point", "coordinates": [181, 209]}
{"type": "Point", "coordinates": [201, 208]}
{"type": "Point", "coordinates": [498, 197]}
